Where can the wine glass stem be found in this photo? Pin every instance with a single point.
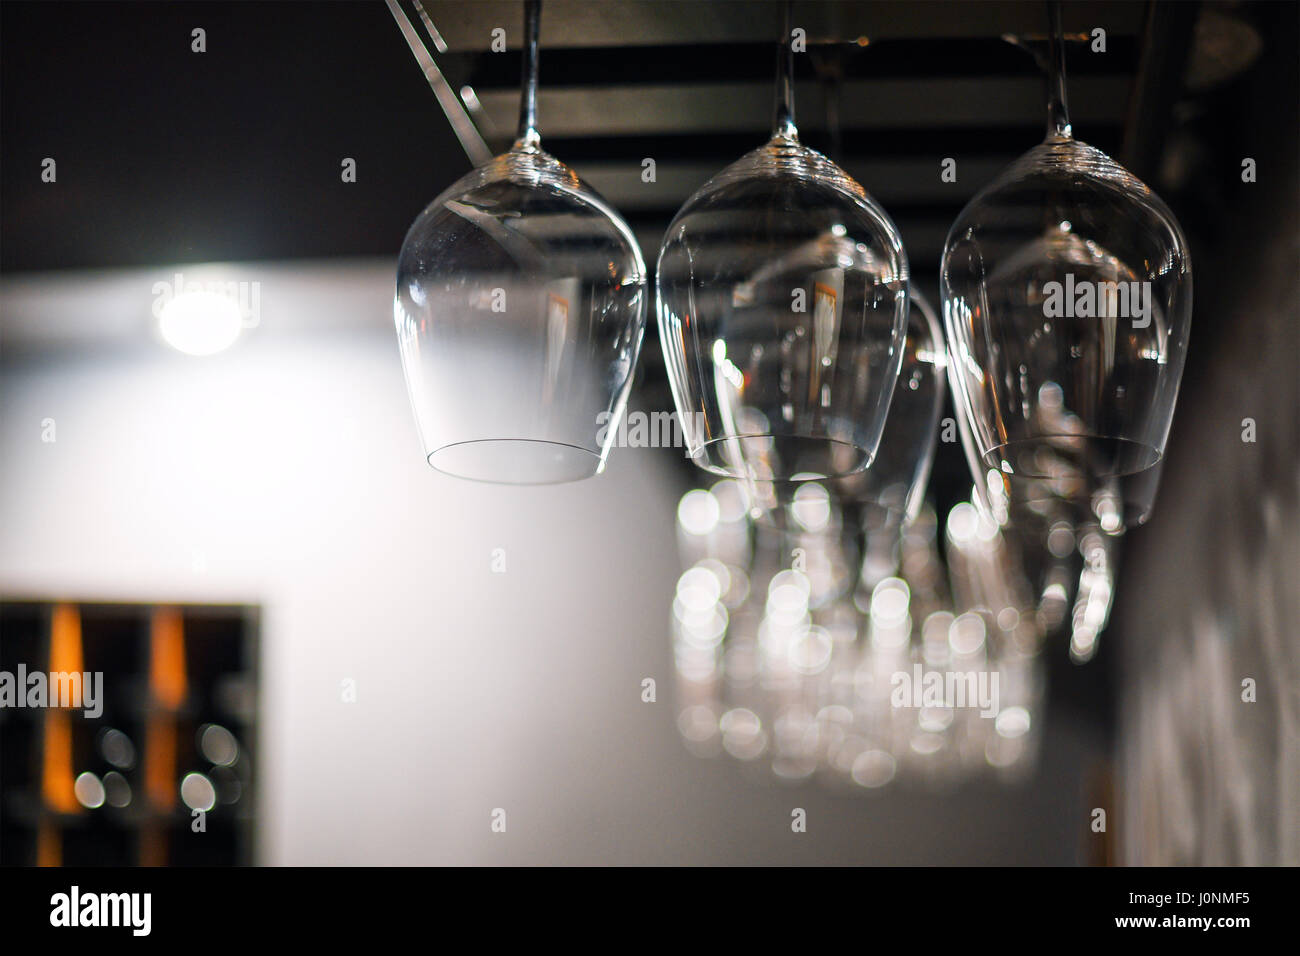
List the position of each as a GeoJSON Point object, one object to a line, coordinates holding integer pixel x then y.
{"type": "Point", "coordinates": [1058, 112]}
{"type": "Point", "coordinates": [783, 117]}
{"type": "Point", "coordinates": [528, 135]}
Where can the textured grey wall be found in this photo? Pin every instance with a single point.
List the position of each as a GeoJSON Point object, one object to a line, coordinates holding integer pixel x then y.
{"type": "Point", "coordinates": [1209, 592]}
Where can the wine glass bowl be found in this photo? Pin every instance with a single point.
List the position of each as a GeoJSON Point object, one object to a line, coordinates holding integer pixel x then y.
{"type": "Point", "coordinates": [1067, 302]}
{"type": "Point", "coordinates": [782, 305]}
{"type": "Point", "coordinates": [520, 310]}
{"type": "Point", "coordinates": [1067, 305]}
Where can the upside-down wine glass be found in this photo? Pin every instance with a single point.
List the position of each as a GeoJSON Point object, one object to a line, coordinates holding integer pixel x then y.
{"type": "Point", "coordinates": [520, 309]}
{"type": "Point", "coordinates": [1067, 300]}
{"type": "Point", "coordinates": [782, 305]}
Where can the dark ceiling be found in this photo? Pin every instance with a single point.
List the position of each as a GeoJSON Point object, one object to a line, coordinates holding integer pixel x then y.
{"type": "Point", "coordinates": [166, 155]}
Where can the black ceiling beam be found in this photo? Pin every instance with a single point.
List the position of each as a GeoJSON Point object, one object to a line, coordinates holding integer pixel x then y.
{"type": "Point", "coordinates": [901, 58]}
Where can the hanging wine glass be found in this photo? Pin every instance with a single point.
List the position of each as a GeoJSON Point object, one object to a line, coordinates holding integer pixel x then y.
{"type": "Point", "coordinates": [520, 309]}
{"type": "Point", "coordinates": [782, 304]}
{"type": "Point", "coordinates": [1067, 297]}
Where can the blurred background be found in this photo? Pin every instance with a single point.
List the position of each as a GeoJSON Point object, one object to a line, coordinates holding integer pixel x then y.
{"type": "Point", "coordinates": [250, 540]}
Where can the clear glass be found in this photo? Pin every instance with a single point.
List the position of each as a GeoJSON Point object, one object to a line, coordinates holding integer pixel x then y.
{"type": "Point", "coordinates": [899, 474]}
{"type": "Point", "coordinates": [520, 310]}
{"type": "Point", "coordinates": [782, 305]}
{"type": "Point", "coordinates": [1067, 299]}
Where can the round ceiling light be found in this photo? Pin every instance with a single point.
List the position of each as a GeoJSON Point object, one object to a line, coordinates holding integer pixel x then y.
{"type": "Point", "coordinates": [200, 322]}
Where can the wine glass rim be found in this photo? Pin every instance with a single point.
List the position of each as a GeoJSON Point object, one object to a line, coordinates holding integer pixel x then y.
{"type": "Point", "coordinates": [1153, 456]}
{"type": "Point", "coordinates": [567, 446]}
{"type": "Point", "coordinates": [701, 459]}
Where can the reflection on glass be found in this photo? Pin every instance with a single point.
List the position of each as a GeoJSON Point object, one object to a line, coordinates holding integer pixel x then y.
{"type": "Point", "coordinates": [823, 666]}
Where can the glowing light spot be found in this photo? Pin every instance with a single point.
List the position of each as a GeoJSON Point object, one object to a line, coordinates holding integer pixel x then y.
{"type": "Point", "coordinates": [200, 323]}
